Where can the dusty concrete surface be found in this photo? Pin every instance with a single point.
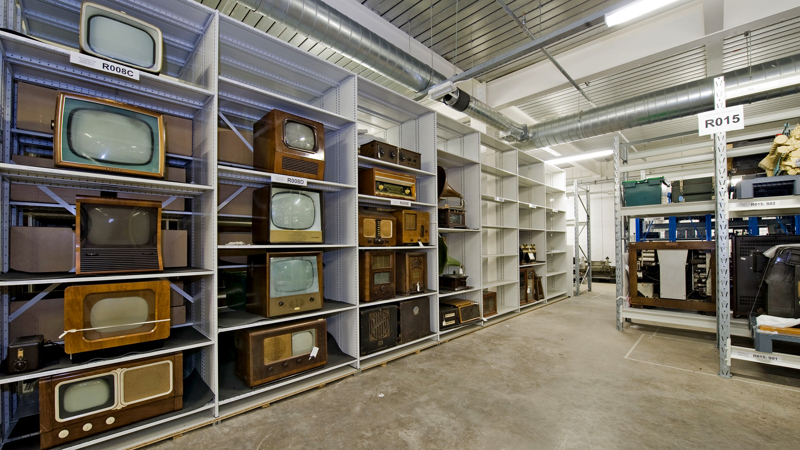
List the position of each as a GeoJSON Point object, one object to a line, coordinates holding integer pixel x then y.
{"type": "Point", "coordinates": [561, 377]}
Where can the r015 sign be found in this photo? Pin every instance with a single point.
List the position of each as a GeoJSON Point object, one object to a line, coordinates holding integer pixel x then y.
{"type": "Point", "coordinates": [721, 120]}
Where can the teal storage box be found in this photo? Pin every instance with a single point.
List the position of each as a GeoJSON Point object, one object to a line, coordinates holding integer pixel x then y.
{"type": "Point", "coordinates": [642, 192]}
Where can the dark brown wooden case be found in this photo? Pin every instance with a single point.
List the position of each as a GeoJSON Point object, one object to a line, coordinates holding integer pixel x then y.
{"type": "Point", "coordinates": [489, 303]}
{"type": "Point", "coordinates": [412, 272]}
{"type": "Point", "coordinates": [77, 308]}
{"type": "Point", "coordinates": [116, 259]}
{"type": "Point", "coordinates": [467, 311]}
{"type": "Point", "coordinates": [415, 319]}
{"type": "Point", "coordinates": [452, 282]}
{"type": "Point", "coordinates": [52, 432]}
{"type": "Point", "coordinates": [452, 218]}
{"type": "Point", "coordinates": [388, 184]}
{"type": "Point", "coordinates": [258, 279]}
{"type": "Point", "coordinates": [376, 228]}
{"type": "Point", "coordinates": [381, 151]}
{"type": "Point", "coordinates": [539, 288]}
{"type": "Point", "coordinates": [271, 152]}
{"type": "Point", "coordinates": [527, 285]}
{"type": "Point", "coordinates": [24, 353]}
{"type": "Point", "coordinates": [265, 354]}
{"type": "Point", "coordinates": [448, 316]}
{"type": "Point", "coordinates": [368, 267]}
{"type": "Point", "coordinates": [378, 328]}
{"type": "Point", "coordinates": [261, 221]}
{"type": "Point", "coordinates": [409, 158]}
{"type": "Point", "coordinates": [414, 226]}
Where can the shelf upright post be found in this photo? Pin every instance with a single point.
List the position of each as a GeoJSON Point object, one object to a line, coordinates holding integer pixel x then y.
{"type": "Point", "coordinates": [722, 243]}
{"type": "Point", "coordinates": [618, 237]}
{"type": "Point", "coordinates": [588, 240]}
{"type": "Point", "coordinates": [576, 231]}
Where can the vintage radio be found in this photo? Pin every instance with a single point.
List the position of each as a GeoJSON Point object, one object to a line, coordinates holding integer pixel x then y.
{"type": "Point", "coordinates": [98, 134]}
{"type": "Point", "coordinates": [284, 283]}
{"type": "Point", "coordinates": [450, 215]}
{"type": "Point", "coordinates": [489, 303]}
{"type": "Point", "coordinates": [448, 316]}
{"type": "Point", "coordinates": [414, 319]}
{"type": "Point", "coordinates": [414, 226]}
{"type": "Point", "coordinates": [112, 315]}
{"type": "Point", "coordinates": [527, 253]}
{"type": "Point", "coordinates": [378, 328]}
{"type": "Point", "coordinates": [380, 150]}
{"type": "Point", "coordinates": [24, 353]}
{"type": "Point", "coordinates": [376, 228]}
{"type": "Point", "coordinates": [409, 158]}
{"type": "Point", "coordinates": [377, 278]}
{"type": "Point", "coordinates": [527, 285]}
{"type": "Point", "coordinates": [291, 145]}
{"type": "Point", "coordinates": [452, 218]}
{"type": "Point", "coordinates": [268, 353]}
{"type": "Point", "coordinates": [118, 37]}
{"type": "Point", "coordinates": [114, 236]}
{"type": "Point", "coordinates": [385, 183]}
{"type": "Point", "coordinates": [412, 272]}
{"type": "Point", "coordinates": [79, 404]}
{"type": "Point", "coordinates": [466, 311]}
{"type": "Point", "coordinates": [283, 215]}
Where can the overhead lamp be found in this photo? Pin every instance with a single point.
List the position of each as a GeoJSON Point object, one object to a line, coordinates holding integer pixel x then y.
{"type": "Point", "coordinates": [551, 151]}
{"type": "Point", "coordinates": [755, 87]}
{"type": "Point", "coordinates": [580, 157]}
{"type": "Point", "coordinates": [634, 10]}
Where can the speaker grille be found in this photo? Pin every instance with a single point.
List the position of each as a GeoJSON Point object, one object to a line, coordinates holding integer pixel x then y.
{"type": "Point", "coordinates": [118, 260]}
{"type": "Point", "coordinates": [299, 165]}
{"type": "Point", "coordinates": [145, 382]}
{"type": "Point", "coordinates": [379, 325]}
{"type": "Point", "coordinates": [277, 348]}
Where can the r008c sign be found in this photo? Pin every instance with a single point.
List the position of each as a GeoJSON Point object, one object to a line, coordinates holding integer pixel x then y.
{"type": "Point", "coordinates": [721, 120]}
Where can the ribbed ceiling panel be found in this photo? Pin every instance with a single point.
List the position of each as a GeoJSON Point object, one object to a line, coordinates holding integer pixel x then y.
{"type": "Point", "coordinates": [766, 44]}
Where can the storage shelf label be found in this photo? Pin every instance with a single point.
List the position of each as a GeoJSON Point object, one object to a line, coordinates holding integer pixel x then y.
{"type": "Point", "coordinates": [756, 356]}
{"type": "Point", "coordinates": [294, 181]}
{"type": "Point", "coordinates": [103, 66]}
{"type": "Point", "coordinates": [721, 120]}
{"type": "Point", "coordinates": [404, 203]}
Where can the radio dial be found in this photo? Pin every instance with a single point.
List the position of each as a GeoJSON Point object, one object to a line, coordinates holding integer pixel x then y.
{"type": "Point", "coordinates": [407, 191]}
{"type": "Point", "coordinates": [402, 156]}
{"type": "Point", "coordinates": [391, 155]}
{"type": "Point", "coordinates": [380, 186]}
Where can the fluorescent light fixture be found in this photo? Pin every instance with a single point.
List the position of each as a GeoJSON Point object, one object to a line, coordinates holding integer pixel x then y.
{"type": "Point", "coordinates": [634, 10]}
{"type": "Point", "coordinates": [551, 151]}
{"type": "Point", "coordinates": [762, 85]}
{"type": "Point", "coordinates": [580, 157]}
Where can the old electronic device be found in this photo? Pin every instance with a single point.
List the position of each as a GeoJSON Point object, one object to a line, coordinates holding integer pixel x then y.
{"type": "Point", "coordinates": [378, 328]}
{"type": "Point", "coordinates": [409, 158]}
{"type": "Point", "coordinates": [376, 228]}
{"type": "Point", "coordinates": [455, 279]}
{"type": "Point", "coordinates": [527, 285]}
{"type": "Point", "coordinates": [388, 184]}
{"type": "Point", "coordinates": [284, 283]}
{"type": "Point", "coordinates": [489, 303]}
{"type": "Point", "coordinates": [781, 277]}
{"type": "Point", "coordinates": [448, 316]}
{"type": "Point", "coordinates": [450, 215]}
{"type": "Point", "coordinates": [682, 272]}
{"type": "Point", "coordinates": [284, 215]}
{"type": "Point", "coordinates": [24, 353]}
{"type": "Point", "coordinates": [112, 315]}
{"type": "Point", "coordinates": [266, 354]}
{"type": "Point", "coordinates": [466, 311]}
{"type": "Point", "coordinates": [413, 227]}
{"type": "Point", "coordinates": [98, 134]}
{"type": "Point", "coordinates": [114, 235]}
{"type": "Point", "coordinates": [377, 278]}
{"type": "Point", "coordinates": [414, 319]}
{"type": "Point", "coordinates": [118, 37]}
{"type": "Point", "coordinates": [78, 404]}
{"type": "Point", "coordinates": [762, 186]}
{"type": "Point", "coordinates": [693, 190]}
{"type": "Point", "coordinates": [233, 289]}
{"type": "Point", "coordinates": [643, 192]}
{"type": "Point", "coordinates": [527, 253]}
{"type": "Point", "coordinates": [412, 272]}
{"type": "Point", "coordinates": [748, 265]}
{"type": "Point", "coordinates": [380, 150]}
{"type": "Point", "coordinates": [539, 289]}
{"type": "Point", "coordinates": [287, 144]}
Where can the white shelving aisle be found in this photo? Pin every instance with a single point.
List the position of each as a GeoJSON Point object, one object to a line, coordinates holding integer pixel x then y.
{"type": "Point", "coordinates": [559, 276]}
{"type": "Point", "coordinates": [533, 215]}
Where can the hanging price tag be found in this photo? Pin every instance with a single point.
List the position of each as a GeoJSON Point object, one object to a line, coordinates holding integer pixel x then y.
{"type": "Point", "coordinates": [295, 181]}
{"type": "Point", "coordinates": [103, 66]}
{"type": "Point", "coordinates": [721, 120]}
{"type": "Point", "coordinates": [405, 203]}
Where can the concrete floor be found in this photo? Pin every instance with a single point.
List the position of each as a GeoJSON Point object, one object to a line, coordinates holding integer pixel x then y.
{"type": "Point", "coordinates": [561, 377]}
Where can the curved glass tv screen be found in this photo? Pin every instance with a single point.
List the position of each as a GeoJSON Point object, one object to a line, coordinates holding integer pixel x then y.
{"type": "Point", "coordinates": [295, 210]}
{"type": "Point", "coordinates": [299, 136]}
{"type": "Point", "coordinates": [120, 313]}
{"type": "Point", "coordinates": [293, 276]}
{"type": "Point", "coordinates": [104, 226]}
{"type": "Point", "coordinates": [85, 396]}
{"type": "Point", "coordinates": [120, 41]}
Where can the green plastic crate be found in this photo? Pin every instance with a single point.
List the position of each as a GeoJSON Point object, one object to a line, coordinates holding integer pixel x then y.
{"type": "Point", "coordinates": [642, 192]}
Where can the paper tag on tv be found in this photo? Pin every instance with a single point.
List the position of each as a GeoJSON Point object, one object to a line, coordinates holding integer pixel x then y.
{"type": "Point", "coordinates": [103, 65]}
{"type": "Point", "coordinates": [294, 181]}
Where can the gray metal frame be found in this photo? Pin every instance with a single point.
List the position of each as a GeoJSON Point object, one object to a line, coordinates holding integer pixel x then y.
{"type": "Point", "coordinates": [576, 200]}
{"type": "Point", "coordinates": [619, 244]}
{"type": "Point", "coordinates": [721, 237]}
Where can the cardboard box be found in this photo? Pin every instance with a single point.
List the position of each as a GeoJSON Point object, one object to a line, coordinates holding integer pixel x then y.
{"type": "Point", "coordinates": [30, 193]}
{"type": "Point", "coordinates": [175, 248]}
{"type": "Point", "coordinates": [231, 149]}
{"type": "Point", "coordinates": [176, 299]}
{"type": "Point", "coordinates": [36, 107]}
{"type": "Point", "coordinates": [42, 249]}
{"type": "Point", "coordinates": [179, 135]}
{"type": "Point", "coordinates": [241, 205]}
{"type": "Point", "coordinates": [177, 315]}
{"type": "Point", "coordinates": [46, 317]}
{"type": "Point", "coordinates": [225, 237]}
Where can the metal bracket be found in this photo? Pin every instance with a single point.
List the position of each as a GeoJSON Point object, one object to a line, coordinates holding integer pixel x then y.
{"type": "Point", "coordinates": [57, 199]}
{"type": "Point", "coordinates": [180, 291]}
{"type": "Point", "coordinates": [235, 130]}
{"type": "Point", "coordinates": [230, 199]}
{"type": "Point", "coordinates": [168, 201]}
{"type": "Point", "coordinates": [32, 301]}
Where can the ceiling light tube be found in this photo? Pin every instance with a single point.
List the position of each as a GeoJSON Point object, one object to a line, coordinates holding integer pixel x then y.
{"type": "Point", "coordinates": [755, 87]}
{"type": "Point", "coordinates": [634, 10]}
{"type": "Point", "coordinates": [580, 157]}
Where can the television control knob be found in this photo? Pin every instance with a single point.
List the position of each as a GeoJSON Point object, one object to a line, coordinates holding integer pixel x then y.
{"type": "Point", "coordinates": [381, 152]}
{"type": "Point", "coordinates": [87, 427]}
{"type": "Point", "coordinates": [280, 303]}
{"type": "Point", "coordinates": [299, 360]}
{"type": "Point", "coordinates": [402, 156]}
{"type": "Point", "coordinates": [270, 368]}
{"type": "Point", "coordinates": [391, 155]}
{"type": "Point", "coordinates": [286, 364]}
{"type": "Point", "coordinates": [63, 433]}
{"type": "Point", "coordinates": [110, 420]}
{"type": "Point", "coordinates": [311, 299]}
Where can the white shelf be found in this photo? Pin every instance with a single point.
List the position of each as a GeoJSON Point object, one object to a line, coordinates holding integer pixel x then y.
{"type": "Point", "coordinates": [367, 162]}
{"type": "Point", "coordinates": [400, 298]}
{"type": "Point", "coordinates": [457, 230]}
{"type": "Point", "coordinates": [670, 209]}
{"type": "Point", "coordinates": [501, 255]}
{"type": "Point", "coordinates": [448, 160]}
{"type": "Point", "coordinates": [554, 190]}
{"type": "Point", "coordinates": [452, 333]}
{"type": "Point", "coordinates": [400, 247]}
{"type": "Point", "coordinates": [282, 246]}
{"type": "Point", "coordinates": [552, 274]}
{"type": "Point", "coordinates": [497, 283]}
{"type": "Point", "coordinates": [538, 302]}
{"type": "Point", "coordinates": [764, 206]}
{"type": "Point", "coordinates": [528, 182]}
{"type": "Point", "coordinates": [490, 198]}
{"type": "Point", "coordinates": [688, 319]}
{"type": "Point", "coordinates": [772, 359]}
{"type": "Point", "coordinates": [387, 202]}
{"type": "Point", "coordinates": [498, 227]}
{"type": "Point", "coordinates": [445, 294]}
{"type": "Point", "coordinates": [486, 168]}
{"type": "Point", "coordinates": [238, 175]}
{"type": "Point", "coordinates": [552, 295]}
{"type": "Point", "coordinates": [526, 205]}
{"type": "Point", "coordinates": [22, 279]}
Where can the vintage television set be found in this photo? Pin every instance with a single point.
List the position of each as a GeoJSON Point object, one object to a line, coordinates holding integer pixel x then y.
{"type": "Point", "coordinates": [387, 184]}
{"type": "Point", "coordinates": [112, 315]}
{"type": "Point", "coordinates": [269, 353]}
{"type": "Point", "coordinates": [376, 228]}
{"type": "Point", "coordinates": [414, 226]}
{"type": "Point", "coordinates": [106, 135]}
{"type": "Point", "coordinates": [284, 215]}
{"type": "Point", "coordinates": [414, 319]}
{"type": "Point", "coordinates": [115, 235]}
{"type": "Point", "coordinates": [287, 144]}
{"type": "Point", "coordinates": [118, 37]}
{"type": "Point", "coordinates": [79, 404]}
{"type": "Point", "coordinates": [377, 278]}
{"type": "Point", "coordinates": [378, 328]}
{"type": "Point", "coordinates": [412, 272]}
{"type": "Point", "coordinates": [284, 283]}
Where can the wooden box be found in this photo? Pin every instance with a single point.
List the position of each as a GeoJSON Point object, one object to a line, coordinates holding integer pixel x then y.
{"type": "Point", "coordinates": [276, 151]}
{"type": "Point", "coordinates": [412, 272]}
{"type": "Point", "coordinates": [377, 275]}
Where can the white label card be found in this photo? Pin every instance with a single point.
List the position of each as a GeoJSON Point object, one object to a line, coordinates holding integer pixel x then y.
{"type": "Point", "coordinates": [721, 120]}
{"type": "Point", "coordinates": [313, 353]}
{"type": "Point", "coordinates": [103, 65]}
{"type": "Point", "coordinates": [294, 181]}
{"type": "Point", "coordinates": [499, 200]}
{"type": "Point", "coordinates": [761, 204]}
{"type": "Point", "coordinates": [757, 356]}
{"type": "Point", "coordinates": [405, 203]}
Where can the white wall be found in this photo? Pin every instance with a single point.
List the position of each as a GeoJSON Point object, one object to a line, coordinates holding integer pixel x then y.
{"type": "Point", "coordinates": [602, 226]}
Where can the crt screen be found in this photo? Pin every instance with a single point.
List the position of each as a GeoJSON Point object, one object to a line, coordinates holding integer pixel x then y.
{"type": "Point", "coordinates": [303, 342]}
{"type": "Point", "coordinates": [117, 226]}
{"type": "Point", "coordinates": [85, 396]}
{"type": "Point", "coordinates": [293, 210]}
{"type": "Point", "coordinates": [293, 276]}
{"type": "Point", "coordinates": [299, 136]}
{"type": "Point", "coordinates": [106, 134]}
{"type": "Point", "coordinates": [120, 41]}
{"type": "Point", "coordinates": [118, 313]}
